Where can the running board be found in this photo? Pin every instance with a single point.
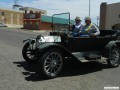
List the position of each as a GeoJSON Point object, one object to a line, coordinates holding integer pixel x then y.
{"type": "Point", "coordinates": [88, 56]}
{"type": "Point", "coordinates": [93, 57]}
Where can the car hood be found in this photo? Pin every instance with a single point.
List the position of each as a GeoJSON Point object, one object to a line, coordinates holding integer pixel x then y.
{"type": "Point", "coordinates": [50, 39]}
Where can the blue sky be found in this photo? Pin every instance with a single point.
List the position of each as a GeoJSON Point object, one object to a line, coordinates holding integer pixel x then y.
{"type": "Point", "coordinates": [75, 7]}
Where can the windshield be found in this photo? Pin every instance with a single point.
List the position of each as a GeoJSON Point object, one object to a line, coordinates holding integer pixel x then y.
{"type": "Point", "coordinates": [60, 22]}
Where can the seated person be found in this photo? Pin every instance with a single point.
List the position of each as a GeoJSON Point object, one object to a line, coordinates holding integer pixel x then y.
{"type": "Point", "coordinates": [89, 29]}
{"type": "Point", "coordinates": [76, 28]}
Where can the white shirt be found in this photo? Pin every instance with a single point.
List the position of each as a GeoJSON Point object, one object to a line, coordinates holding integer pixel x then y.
{"type": "Point", "coordinates": [93, 29]}
{"type": "Point", "coordinates": [78, 27]}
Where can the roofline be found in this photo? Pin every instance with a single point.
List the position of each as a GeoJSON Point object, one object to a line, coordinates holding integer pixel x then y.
{"type": "Point", "coordinates": [33, 9]}
{"type": "Point", "coordinates": [114, 3]}
{"type": "Point", "coordinates": [7, 9]}
{"type": "Point", "coordinates": [111, 3]}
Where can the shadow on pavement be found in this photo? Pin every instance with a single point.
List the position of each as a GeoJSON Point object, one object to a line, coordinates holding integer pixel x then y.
{"type": "Point", "coordinates": [70, 68]}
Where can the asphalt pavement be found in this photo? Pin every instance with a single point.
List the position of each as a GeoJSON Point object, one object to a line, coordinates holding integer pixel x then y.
{"type": "Point", "coordinates": [16, 74]}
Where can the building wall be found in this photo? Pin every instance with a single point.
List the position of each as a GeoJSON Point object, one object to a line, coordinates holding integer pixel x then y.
{"type": "Point", "coordinates": [32, 20]}
{"type": "Point", "coordinates": [113, 12]}
{"type": "Point", "coordinates": [109, 15]}
{"type": "Point", "coordinates": [11, 18]}
{"type": "Point", "coordinates": [103, 8]}
{"type": "Point", "coordinates": [32, 24]}
{"type": "Point", "coordinates": [46, 26]}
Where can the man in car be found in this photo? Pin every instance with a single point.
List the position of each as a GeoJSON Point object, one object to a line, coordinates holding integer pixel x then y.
{"type": "Point", "coordinates": [77, 27]}
{"type": "Point", "coordinates": [89, 29]}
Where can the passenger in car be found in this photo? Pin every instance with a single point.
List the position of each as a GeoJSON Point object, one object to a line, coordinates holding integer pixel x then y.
{"type": "Point", "coordinates": [77, 27]}
{"type": "Point", "coordinates": [89, 29]}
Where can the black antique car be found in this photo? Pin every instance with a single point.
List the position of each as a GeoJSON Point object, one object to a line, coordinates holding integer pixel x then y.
{"type": "Point", "coordinates": [51, 50]}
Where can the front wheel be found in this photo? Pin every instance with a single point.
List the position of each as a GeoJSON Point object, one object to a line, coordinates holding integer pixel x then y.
{"type": "Point", "coordinates": [51, 63]}
{"type": "Point", "coordinates": [114, 57]}
{"type": "Point", "coordinates": [29, 54]}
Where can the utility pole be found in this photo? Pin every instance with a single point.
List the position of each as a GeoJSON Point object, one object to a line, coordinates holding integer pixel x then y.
{"type": "Point", "coordinates": [98, 21]}
{"type": "Point", "coordinates": [89, 7]}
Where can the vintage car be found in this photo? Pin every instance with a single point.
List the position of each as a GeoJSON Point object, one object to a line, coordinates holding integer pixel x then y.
{"type": "Point", "coordinates": [51, 50]}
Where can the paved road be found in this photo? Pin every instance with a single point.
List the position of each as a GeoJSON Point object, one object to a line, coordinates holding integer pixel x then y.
{"type": "Point", "coordinates": [16, 74]}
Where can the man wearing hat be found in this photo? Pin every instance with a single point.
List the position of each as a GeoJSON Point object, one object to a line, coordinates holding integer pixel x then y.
{"type": "Point", "coordinates": [89, 28]}
{"type": "Point", "coordinates": [77, 27]}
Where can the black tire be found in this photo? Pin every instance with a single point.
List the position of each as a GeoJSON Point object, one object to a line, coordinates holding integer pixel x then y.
{"type": "Point", "coordinates": [32, 56]}
{"type": "Point", "coordinates": [114, 57]}
{"type": "Point", "coordinates": [51, 63]}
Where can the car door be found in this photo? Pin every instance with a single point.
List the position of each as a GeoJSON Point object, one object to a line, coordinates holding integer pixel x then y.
{"type": "Point", "coordinates": [70, 44]}
{"type": "Point", "coordinates": [91, 44]}
{"type": "Point", "coordinates": [85, 43]}
{"type": "Point", "coordinates": [79, 44]}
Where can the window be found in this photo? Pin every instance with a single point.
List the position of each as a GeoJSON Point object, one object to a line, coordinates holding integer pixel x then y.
{"type": "Point", "coordinates": [11, 18]}
{"type": "Point", "coordinates": [30, 16]}
{"type": "Point", "coordinates": [18, 19]}
{"type": "Point", "coordinates": [2, 13]}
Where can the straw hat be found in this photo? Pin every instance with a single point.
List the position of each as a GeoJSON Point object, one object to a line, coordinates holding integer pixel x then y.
{"type": "Point", "coordinates": [87, 18]}
{"type": "Point", "coordinates": [77, 18]}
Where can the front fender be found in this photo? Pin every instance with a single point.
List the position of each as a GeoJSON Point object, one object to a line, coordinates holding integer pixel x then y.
{"type": "Point", "coordinates": [47, 46]}
{"type": "Point", "coordinates": [109, 46]}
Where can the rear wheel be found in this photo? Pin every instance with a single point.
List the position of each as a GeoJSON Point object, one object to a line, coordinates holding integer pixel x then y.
{"type": "Point", "coordinates": [29, 54]}
{"type": "Point", "coordinates": [51, 63]}
{"type": "Point", "coordinates": [114, 57]}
